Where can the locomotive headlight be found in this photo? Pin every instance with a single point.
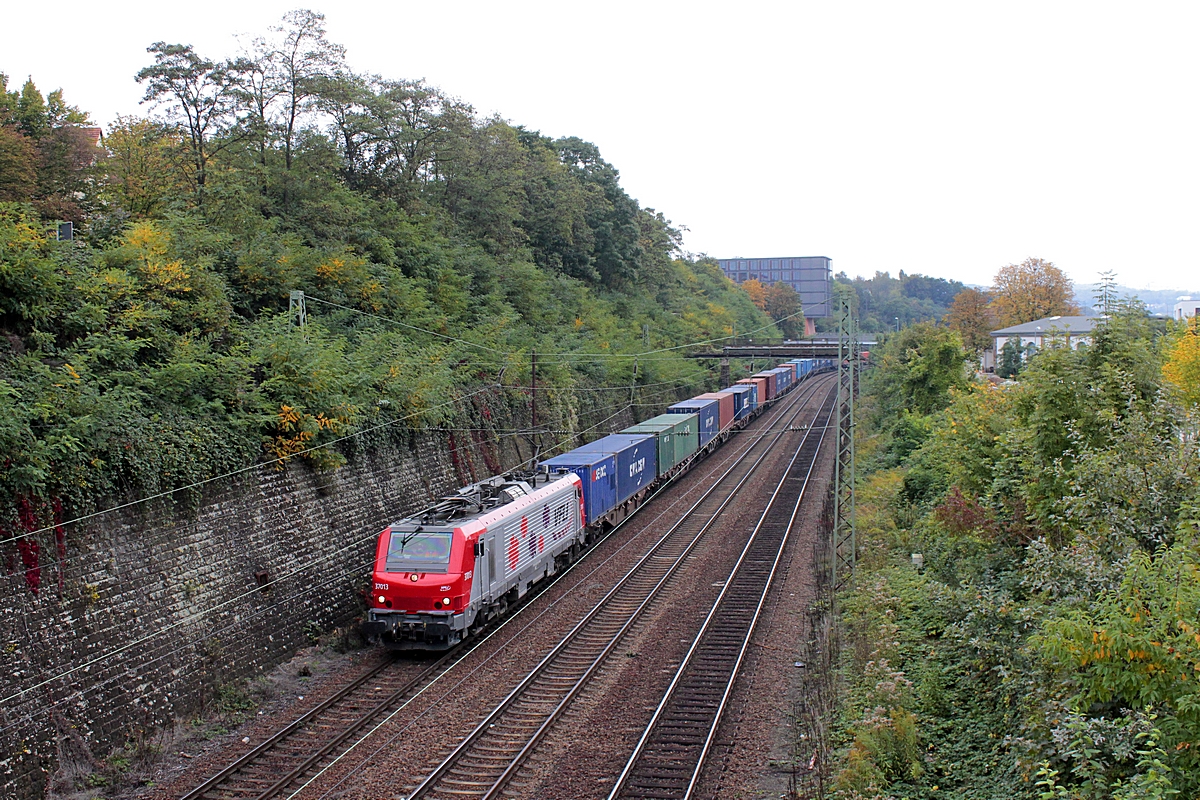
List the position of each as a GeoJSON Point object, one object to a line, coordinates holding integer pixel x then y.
{"type": "Point", "coordinates": [382, 599]}
{"type": "Point", "coordinates": [445, 601]}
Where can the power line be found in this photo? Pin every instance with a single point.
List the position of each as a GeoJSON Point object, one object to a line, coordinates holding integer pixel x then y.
{"type": "Point", "coordinates": [565, 436]}
{"type": "Point", "coordinates": [314, 448]}
{"type": "Point", "coordinates": [250, 468]}
{"type": "Point", "coordinates": [406, 325]}
{"type": "Point", "coordinates": [250, 593]}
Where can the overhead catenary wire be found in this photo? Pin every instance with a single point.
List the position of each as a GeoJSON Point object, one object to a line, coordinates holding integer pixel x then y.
{"type": "Point", "coordinates": [551, 358]}
{"type": "Point", "coordinates": [240, 620]}
{"type": "Point", "coordinates": [512, 620]}
{"type": "Point", "coordinates": [307, 450]}
{"type": "Point", "coordinates": [326, 445]}
{"type": "Point", "coordinates": [237, 598]}
{"type": "Point", "coordinates": [566, 436]}
{"type": "Point", "coordinates": [314, 448]}
{"type": "Point", "coordinates": [168, 644]}
{"type": "Point", "coordinates": [250, 467]}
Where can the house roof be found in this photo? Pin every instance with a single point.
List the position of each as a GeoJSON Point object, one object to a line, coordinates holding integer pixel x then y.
{"type": "Point", "coordinates": [1067, 325]}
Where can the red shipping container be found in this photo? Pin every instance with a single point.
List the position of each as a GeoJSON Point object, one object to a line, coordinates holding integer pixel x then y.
{"type": "Point", "coordinates": [771, 378]}
{"type": "Point", "coordinates": [725, 404]}
{"type": "Point", "coordinates": [761, 383]}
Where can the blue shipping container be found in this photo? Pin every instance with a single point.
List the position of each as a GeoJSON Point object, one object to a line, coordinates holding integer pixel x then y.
{"type": "Point", "coordinates": [637, 462]}
{"type": "Point", "coordinates": [782, 377]}
{"type": "Point", "coordinates": [742, 405]}
{"type": "Point", "coordinates": [598, 471]}
{"type": "Point", "coordinates": [709, 413]}
{"type": "Point", "coordinates": [753, 387]}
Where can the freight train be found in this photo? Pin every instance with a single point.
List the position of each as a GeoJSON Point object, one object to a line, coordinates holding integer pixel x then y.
{"type": "Point", "coordinates": [442, 574]}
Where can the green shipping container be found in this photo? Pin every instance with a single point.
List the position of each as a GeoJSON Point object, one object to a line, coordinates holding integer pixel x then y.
{"type": "Point", "coordinates": [678, 437]}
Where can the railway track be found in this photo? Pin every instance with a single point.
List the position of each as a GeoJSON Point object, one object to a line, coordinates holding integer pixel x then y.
{"type": "Point", "coordinates": [283, 763]}
{"type": "Point", "coordinates": [487, 760]}
{"type": "Point", "coordinates": [667, 761]}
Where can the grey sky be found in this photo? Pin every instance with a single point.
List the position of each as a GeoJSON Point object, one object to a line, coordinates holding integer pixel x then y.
{"type": "Point", "coordinates": [942, 138]}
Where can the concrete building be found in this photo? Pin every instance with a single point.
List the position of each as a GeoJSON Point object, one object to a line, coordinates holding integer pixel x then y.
{"type": "Point", "coordinates": [810, 276]}
{"type": "Point", "coordinates": [1069, 331]}
{"type": "Point", "coordinates": [1185, 308]}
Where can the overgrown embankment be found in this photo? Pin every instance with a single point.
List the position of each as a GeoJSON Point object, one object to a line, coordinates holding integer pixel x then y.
{"type": "Point", "coordinates": [1025, 619]}
{"type": "Point", "coordinates": [154, 363]}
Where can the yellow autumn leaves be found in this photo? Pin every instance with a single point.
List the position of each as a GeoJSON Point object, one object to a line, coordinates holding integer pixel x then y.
{"type": "Point", "coordinates": [1182, 365]}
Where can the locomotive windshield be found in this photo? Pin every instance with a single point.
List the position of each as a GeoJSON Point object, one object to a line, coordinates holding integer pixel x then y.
{"type": "Point", "coordinates": [418, 551]}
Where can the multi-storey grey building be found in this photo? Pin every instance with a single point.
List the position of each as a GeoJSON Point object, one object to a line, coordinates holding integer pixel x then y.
{"type": "Point", "coordinates": [810, 276]}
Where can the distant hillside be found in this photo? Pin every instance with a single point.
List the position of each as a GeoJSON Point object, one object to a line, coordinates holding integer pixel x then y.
{"type": "Point", "coordinates": [885, 303]}
{"type": "Point", "coordinates": [1161, 301]}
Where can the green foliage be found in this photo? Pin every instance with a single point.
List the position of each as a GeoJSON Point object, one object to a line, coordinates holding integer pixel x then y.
{"type": "Point", "coordinates": [883, 303]}
{"type": "Point", "coordinates": [437, 250]}
{"type": "Point", "coordinates": [918, 368]}
{"type": "Point", "coordinates": [1048, 639]}
{"type": "Point", "coordinates": [1011, 359]}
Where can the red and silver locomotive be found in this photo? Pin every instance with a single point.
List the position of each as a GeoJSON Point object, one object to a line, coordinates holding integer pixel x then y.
{"type": "Point", "coordinates": [464, 561]}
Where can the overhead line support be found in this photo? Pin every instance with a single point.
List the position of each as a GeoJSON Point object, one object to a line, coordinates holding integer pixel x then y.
{"type": "Point", "coordinates": [845, 544]}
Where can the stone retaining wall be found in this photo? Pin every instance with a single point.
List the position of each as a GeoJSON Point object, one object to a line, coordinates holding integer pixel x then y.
{"type": "Point", "coordinates": [161, 607]}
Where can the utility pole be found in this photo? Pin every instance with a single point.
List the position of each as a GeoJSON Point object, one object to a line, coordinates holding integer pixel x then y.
{"type": "Point", "coordinates": [633, 385]}
{"type": "Point", "coordinates": [533, 391]}
{"type": "Point", "coordinates": [296, 309]}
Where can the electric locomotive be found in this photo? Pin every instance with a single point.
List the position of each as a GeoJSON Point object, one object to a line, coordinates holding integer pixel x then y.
{"type": "Point", "coordinates": [441, 574]}
{"type": "Point", "coordinates": [463, 561]}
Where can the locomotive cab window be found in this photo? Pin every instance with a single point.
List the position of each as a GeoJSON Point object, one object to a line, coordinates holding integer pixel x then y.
{"type": "Point", "coordinates": [418, 551]}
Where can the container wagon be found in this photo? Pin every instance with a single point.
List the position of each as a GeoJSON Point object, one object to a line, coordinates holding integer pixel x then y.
{"type": "Point", "coordinates": [770, 379]}
{"type": "Point", "coordinates": [597, 473]}
{"type": "Point", "coordinates": [760, 389]}
{"type": "Point", "coordinates": [726, 407]}
{"type": "Point", "coordinates": [678, 438]}
{"type": "Point", "coordinates": [743, 405]}
{"type": "Point", "coordinates": [637, 464]}
{"type": "Point", "coordinates": [709, 424]}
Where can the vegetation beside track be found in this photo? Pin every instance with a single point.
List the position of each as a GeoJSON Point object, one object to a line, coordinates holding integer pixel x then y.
{"type": "Point", "coordinates": [1044, 640]}
{"type": "Point", "coordinates": [438, 249]}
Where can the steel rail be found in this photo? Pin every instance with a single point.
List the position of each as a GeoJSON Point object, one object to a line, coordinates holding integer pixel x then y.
{"type": "Point", "coordinates": [665, 774]}
{"type": "Point", "coordinates": [217, 785]}
{"type": "Point", "coordinates": [599, 652]}
{"type": "Point", "coordinates": [296, 726]}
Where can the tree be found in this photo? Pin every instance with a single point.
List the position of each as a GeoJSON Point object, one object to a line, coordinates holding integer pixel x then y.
{"type": "Point", "coordinates": [757, 292]}
{"type": "Point", "coordinates": [971, 315]}
{"type": "Point", "coordinates": [45, 157]}
{"type": "Point", "coordinates": [783, 304]}
{"type": "Point", "coordinates": [1031, 290]}
{"type": "Point", "coordinates": [255, 86]}
{"type": "Point", "coordinates": [918, 368]}
{"type": "Point", "coordinates": [304, 57]}
{"type": "Point", "coordinates": [18, 165]}
{"type": "Point", "coordinates": [346, 99]}
{"type": "Point", "coordinates": [1008, 360]}
{"type": "Point", "coordinates": [194, 87]}
{"type": "Point", "coordinates": [1106, 292]}
{"type": "Point", "coordinates": [1182, 367]}
{"type": "Point", "coordinates": [143, 168]}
